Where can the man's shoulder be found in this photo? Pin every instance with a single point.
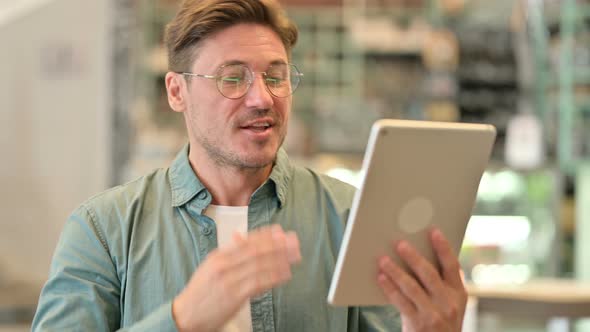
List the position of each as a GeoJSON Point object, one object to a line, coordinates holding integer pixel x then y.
{"type": "Point", "coordinates": [324, 184]}
{"type": "Point", "coordinates": [120, 198]}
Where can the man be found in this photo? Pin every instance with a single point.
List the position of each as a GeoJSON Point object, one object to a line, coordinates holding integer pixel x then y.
{"type": "Point", "coordinates": [169, 251]}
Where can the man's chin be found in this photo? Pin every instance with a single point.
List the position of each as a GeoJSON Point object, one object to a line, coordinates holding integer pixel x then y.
{"type": "Point", "coordinates": [258, 160]}
{"type": "Point", "coordinates": [258, 155]}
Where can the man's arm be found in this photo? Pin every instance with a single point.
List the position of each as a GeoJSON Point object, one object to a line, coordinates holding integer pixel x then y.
{"type": "Point", "coordinates": [83, 290]}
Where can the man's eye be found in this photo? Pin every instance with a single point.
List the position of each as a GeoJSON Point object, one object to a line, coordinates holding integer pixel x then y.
{"type": "Point", "coordinates": [232, 79]}
{"type": "Point", "coordinates": [275, 80]}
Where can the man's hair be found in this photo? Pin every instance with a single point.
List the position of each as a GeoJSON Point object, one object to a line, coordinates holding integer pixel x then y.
{"type": "Point", "coordinates": [198, 19]}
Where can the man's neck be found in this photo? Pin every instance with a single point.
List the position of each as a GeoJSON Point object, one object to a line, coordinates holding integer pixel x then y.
{"type": "Point", "coordinates": [228, 185]}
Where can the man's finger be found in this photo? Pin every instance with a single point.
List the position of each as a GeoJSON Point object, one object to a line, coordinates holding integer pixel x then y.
{"type": "Point", "coordinates": [395, 296]}
{"type": "Point", "coordinates": [427, 274]}
{"type": "Point", "coordinates": [293, 248]}
{"type": "Point", "coordinates": [409, 287]}
{"type": "Point", "coordinates": [447, 258]}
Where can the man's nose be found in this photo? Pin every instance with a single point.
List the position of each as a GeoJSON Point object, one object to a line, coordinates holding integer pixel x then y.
{"type": "Point", "coordinates": [258, 95]}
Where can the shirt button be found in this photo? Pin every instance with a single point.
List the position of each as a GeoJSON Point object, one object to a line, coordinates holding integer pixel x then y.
{"type": "Point", "coordinates": [202, 195]}
{"type": "Point", "coordinates": [207, 231]}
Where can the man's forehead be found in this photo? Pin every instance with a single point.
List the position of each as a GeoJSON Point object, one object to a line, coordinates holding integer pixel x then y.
{"type": "Point", "coordinates": [243, 43]}
{"type": "Point", "coordinates": [247, 34]}
{"type": "Point", "coordinates": [263, 32]}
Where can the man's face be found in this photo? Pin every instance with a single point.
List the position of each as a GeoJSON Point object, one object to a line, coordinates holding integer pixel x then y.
{"type": "Point", "coordinates": [234, 132]}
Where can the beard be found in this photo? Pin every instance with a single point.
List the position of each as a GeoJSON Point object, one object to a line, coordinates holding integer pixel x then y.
{"type": "Point", "coordinates": [227, 158]}
{"type": "Point", "coordinates": [223, 157]}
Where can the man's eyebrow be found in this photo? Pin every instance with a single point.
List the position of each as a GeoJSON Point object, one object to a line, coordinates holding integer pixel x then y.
{"type": "Point", "coordinates": [232, 62]}
{"type": "Point", "coordinates": [239, 62]}
{"type": "Point", "coordinates": [279, 62]}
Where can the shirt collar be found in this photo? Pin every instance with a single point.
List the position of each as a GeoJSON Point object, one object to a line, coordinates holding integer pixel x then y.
{"type": "Point", "coordinates": [185, 184]}
{"type": "Point", "coordinates": [281, 176]}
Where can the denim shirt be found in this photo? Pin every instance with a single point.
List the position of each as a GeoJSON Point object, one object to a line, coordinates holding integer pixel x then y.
{"type": "Point", "coordinates": [126, 253]}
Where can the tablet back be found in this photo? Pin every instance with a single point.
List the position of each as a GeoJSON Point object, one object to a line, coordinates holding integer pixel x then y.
{"type": "Point", "coordinates": [417, 174]}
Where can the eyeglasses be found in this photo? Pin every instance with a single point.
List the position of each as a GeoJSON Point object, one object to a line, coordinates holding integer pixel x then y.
{"type": "Point", "coordinates": [234, 81]}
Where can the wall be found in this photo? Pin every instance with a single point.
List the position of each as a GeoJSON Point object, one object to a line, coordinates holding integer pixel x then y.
{"type": "Point", "coordinates": [54, 126]}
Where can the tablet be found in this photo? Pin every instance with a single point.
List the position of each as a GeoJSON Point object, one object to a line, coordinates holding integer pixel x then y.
{"type": "Point", "coordinates": [417, 174]}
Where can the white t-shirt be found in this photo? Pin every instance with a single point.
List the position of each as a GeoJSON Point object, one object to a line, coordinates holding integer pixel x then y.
{"type": "Point", "coordinates": [228, 220]}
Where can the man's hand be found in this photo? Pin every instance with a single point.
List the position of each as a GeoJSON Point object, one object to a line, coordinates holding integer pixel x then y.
{"type": "Point", "coordinates": [431, 301]}
{"type": "Point", "coordinates": [229, 277]}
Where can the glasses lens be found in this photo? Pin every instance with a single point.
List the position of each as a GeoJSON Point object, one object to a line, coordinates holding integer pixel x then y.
{"type": "Point", "coordinates": [282, 79]}
{"type": "Point", "coordinates": [233, 81]}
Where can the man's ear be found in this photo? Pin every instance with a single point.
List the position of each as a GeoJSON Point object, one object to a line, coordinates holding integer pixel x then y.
{"type": "Point", "coordinates": [175, 86]}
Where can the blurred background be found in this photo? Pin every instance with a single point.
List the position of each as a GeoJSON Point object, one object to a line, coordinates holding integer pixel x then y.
{"type": "Point", "coordinates": [83, 108]}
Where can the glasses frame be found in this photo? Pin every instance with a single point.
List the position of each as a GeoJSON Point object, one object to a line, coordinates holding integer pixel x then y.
{"type": "Point", "coordinates": [216, 77]}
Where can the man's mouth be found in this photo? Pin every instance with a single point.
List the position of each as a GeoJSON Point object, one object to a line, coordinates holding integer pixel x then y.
{"type": "Point", "coordinates": [258, 127]}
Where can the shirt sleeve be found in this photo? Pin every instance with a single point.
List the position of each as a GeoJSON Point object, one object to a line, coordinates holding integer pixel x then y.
{"type": "Point", "coordinates": [379, 319]}
{"type": "Point", "coordinates": [83, 289]}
